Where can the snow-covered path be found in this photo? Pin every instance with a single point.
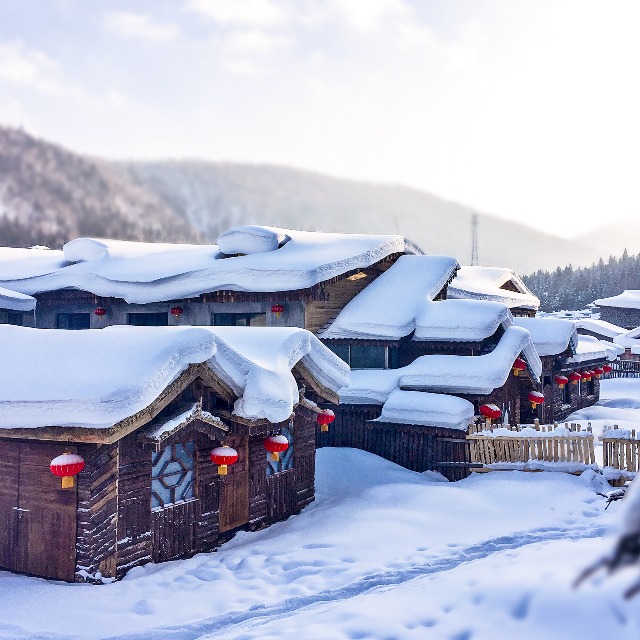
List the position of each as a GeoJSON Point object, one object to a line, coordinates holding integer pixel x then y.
{"type": "Point", "coordinates": [383, 553]}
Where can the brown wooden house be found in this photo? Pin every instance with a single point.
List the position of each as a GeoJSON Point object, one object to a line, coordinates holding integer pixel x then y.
{"type": "Point", "coordinates": [145, 417]}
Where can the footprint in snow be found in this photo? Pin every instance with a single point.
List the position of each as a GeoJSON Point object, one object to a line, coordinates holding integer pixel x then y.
{"type": "Point", "coordinates": [142, 608]}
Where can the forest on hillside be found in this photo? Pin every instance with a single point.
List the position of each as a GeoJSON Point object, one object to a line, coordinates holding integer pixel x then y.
{"type": "Point", "coordinates": [569, 288]}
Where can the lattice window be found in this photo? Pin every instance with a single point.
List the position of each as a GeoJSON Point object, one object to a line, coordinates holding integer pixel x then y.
{"type": "Point", "coordinates": [286, 457]}
{"type": "Point", "coordinates": [172, 475]}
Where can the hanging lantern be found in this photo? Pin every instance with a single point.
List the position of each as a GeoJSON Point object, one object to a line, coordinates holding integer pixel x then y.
{"type": "Point", "coordinates": [574, 376]}
{"type": "Point", "coordinates": [490, 411]}
{"type": "Point", "coordinates": [598, 372]}
{"type": "Point", "coordinates": [278, 309]}
{"type": "Point", "coordinates": [561, 381]}
{"type": "Point", "coordinates": [275, 445]}
{"type": "Point", "coordinates": [223, 456]}
{"type": "Point", "coordinates": [66, 466]}
{"type": "Point", "coordinates": [100, 311]}
{"type": "Point", "coordinates": [535, 398]}
{"type": "Point", "coordinates": [325, 418]}
{"type": "Point", "coordinates": [586, 375]}
{"type": "Point", "coordinates": [518, 366]}
{"type": "Point", "coordinates": [177, 311]}
{"type": "Point", "coordinates": [607, 368]}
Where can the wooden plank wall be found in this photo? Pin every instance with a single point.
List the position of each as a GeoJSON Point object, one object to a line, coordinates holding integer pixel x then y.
{"type": "Point", "coordinates": [97, 512]}
{"type": "Point", "coordinates": [208, 512]}
{"type": "Point", "coordinates": [413, 447]}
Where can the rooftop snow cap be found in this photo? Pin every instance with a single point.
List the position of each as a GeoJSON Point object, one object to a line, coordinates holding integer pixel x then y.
{"type": "Point", "coordinates": [142, 272]}
{"type": "Point", "coordinates": [550, 336]}
{"type": "Point", "coordinates": [98, 377]}
{"type": "Point", "coordinates": [493, 283]}
{"type": "Point", "coordinates": [628, 299]}
{"type": "Point", "coordinates": [16, 301]}
{"type": "Point", "coordinates": [251, 239]}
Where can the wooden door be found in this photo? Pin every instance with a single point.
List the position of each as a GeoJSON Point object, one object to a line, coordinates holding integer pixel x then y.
{"type": "Point", "coordinates": [40, 516]}
{"type": "Point", "coordinates": [9, 464]}
{"type": "Point", "coordinates": [234, 489]}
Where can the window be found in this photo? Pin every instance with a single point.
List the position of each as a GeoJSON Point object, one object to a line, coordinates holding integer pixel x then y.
{"type": "Point", "coordinates": [591, 387]}
{"type": "Point", "coordinates": [239, 319]}
{"type": "Point", "coordinates": [286, 457]}
{"type": "Point", "coordinates": [148, 319]}
{"type": "Point", "coordinates": [172, 475]}
{"type": "Point", "coordinates": [73, 321]}
{"type": "Point", "coordinates": [566, 394]}
{"type": "Point", "coordinates": [366, 356]}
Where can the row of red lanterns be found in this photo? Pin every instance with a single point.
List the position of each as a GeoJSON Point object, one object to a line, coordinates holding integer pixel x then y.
{"type": "Point", "coordinates": [576, 376]}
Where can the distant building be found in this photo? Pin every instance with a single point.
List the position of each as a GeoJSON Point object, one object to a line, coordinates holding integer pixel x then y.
{"type": "Point", "coordinates": [622, 310]}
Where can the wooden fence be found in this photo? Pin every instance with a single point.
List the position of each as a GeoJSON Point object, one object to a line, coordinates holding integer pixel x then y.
{"type": "Point", "coordinates": [623, 452]}
{"type": "Point", "coordinates": [535, 444]}
{"type": "Point", "coordinates": [625, 369]}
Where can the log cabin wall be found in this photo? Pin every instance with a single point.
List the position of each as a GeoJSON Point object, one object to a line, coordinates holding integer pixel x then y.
{"type": "Point", "coordinates": [625, 318]}
{"type": "Point", "coordinates": [96, 530]}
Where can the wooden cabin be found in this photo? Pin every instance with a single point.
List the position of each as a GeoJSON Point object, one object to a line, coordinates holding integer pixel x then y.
{"type": "Point", "coordinates": [622, 310]}
{"type": "Point", "coordinates": [144, 408]}
{"type": "Point", "coordinates": [413, 350]}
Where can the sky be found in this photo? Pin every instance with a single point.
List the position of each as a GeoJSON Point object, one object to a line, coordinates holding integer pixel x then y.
{"type": "Point", "coordinates": [527, 109]}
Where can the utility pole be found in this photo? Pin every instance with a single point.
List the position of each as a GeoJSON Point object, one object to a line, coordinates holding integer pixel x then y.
{"type": "Point", "coordinates": [474, 240]}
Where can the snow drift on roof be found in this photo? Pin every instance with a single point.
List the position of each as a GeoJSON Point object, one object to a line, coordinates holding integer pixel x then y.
{"type": "Point", "coordinates": [389, 306]}
{"type": "Point", "coordinates": [590, 348]}
{"type": "Point", "coordinates": [629, 299]}
{"type": "Point", "coordinates": [428, 409]}
{"type": "Point", "coordinates": [629, 338]}
{"type": "Point", "coordinates": [147, 272]}
{"type": "Point", "coordinates": [97, 377]}
{"type": "Point", "coordinates": [550, 336]}
{"type": "Point", "coordinates": [601, 327]}
{"type": "Point", "coordinates": [16, 301]}
{"type": "Point", "coordinates": [485, 283]}
{"type": "Point", "coordinates": [474, 375]}
{"type": "Point", "coordinates": [251, 239]}
{"type": "Point", "coordinates": [21, 264]}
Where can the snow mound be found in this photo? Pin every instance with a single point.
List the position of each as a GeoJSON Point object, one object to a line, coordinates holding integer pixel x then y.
{"type": "Point", "coordinates": [628, 299]}
{"type": "Point", "coordinates": [251, 239]}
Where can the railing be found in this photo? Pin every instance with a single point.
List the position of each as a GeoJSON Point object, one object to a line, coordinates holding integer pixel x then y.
{"type": "Point", "coordinates": [621, 450]}
{"type": "Point", "coordinates": [625, 369]}
{"type": "Point", "coordinates": [534, 447]}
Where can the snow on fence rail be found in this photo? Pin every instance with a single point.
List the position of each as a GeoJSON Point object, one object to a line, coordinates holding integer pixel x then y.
{"type": "Point", "coordinates": [621, 450]}
{"type": "Point", "coordinates": [534, 448]}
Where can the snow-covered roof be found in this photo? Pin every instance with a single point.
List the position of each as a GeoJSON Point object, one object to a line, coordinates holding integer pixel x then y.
{"type": "Point", "coordinates": [16, 301]}
{"type": "Point", "coordinates": [271, 259]}
{"type": "Point", "coordinates": [96, 378]}
{"type": "Point", "coordinates": [629, 338]}
{"type": "Point", "coordinates": [550, 336]}
{"type": "Point", "coordinates": [400, 302]}
{"type": "Point", "coordinates": [488, 283]}
{"type": "Point", "coordinates": [474, 375]}
{"type": "Point", "coordinates": [590, 348]}
{"type": "Point", "coordinates": [601, 327]}
{"type": "Point", "coordinates": [629, 299]}
{"type": "Point", "coordinates": [428, 409]}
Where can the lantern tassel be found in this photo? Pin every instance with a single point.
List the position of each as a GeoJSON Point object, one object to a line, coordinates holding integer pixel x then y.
{"type": "Point", "coordinates": [516, 372]}
{"type": "Point", "coordinates": [222, 469]}
{"type": "Point", "coordinates": [324, 427]}
{"type": "Point", "coordinates": [275, 456]}
{"type": "Point", "coordinates": [67, 482]}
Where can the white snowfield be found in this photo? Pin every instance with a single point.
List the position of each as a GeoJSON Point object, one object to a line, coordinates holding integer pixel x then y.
{"type": "Point", "coordinates": [97, 377]}
{"type": "Point", "coordinates": [629, 299]}
{"type": "Point", "coordinates": [476, 375]}
{"type": "Point", "coordinates": [15, 301]}
{"type": "Point", "coordinates": [488, 283]}
{"type": "Point", "coordinates": [272, 260]}
{"type": "Point", "coordinates": [427, 409]}
{"type": "Point", "coordinates": [400, 302]}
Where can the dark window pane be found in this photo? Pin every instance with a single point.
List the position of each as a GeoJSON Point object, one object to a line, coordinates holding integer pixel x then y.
{"type": "Point", "coordinates": [341, 350]}
{"type": "Point", "coordinates": [239, 319]}
{"type": "Point", "coordinates": [393, 357]}
{"type": "Point", "coordinates": [148, 319]}
{"type": "Point", "coordinates": [14, 318]}
{"type": "Point", "coordinates": [367, 357]}
{"type": "Point", "coordinates": [73, 320]}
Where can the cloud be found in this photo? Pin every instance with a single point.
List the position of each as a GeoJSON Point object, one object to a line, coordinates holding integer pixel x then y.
{"type": "Point", "coordinates": [370, 15]}
{"type": "Point", "coordinates": [139, 27]}
{"type": "Point", "coordinates": [241, 13]}
{"type": "Point", "coordinates": [247, 43]}
{"type": "Point", "coordinates": [28, 67]}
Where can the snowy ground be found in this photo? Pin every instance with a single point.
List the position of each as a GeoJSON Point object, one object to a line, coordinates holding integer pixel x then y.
{"type": "Point", "coordinates": [383, 553]}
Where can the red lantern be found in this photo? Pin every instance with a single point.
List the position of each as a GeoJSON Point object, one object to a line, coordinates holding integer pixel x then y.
{"type": "Point", "coordinates": [100, 311]}
{"type": "Point", "coordinates": [574, 376]}
{"type": "Point", "coordinates": [278, 309]}
{"type": "Point", "coordinates": [598, 372]}
{"type": "Point", "coordinates": [177, 311]}
{"type": "Point", "coordinates": [275, 445]}
{"type": "Point", "coordinates": [535, 398]}
{"type": "Point", "coordinates": [561, 381]}
{"type": "Point", "coordinates": [518, 366]}
{"type": "Point", "coordinates": [223, 456]}
{"type": "Point", "coordinates": [325, 418]}
{"type": "Point", "coordinates": [607, 368]}
{"type": "Point", "coordinates": [586, 375]}
{"type": "Point", "coordinates": [66, 466]}
{"type": "Point", "coordinates": [490, 411]}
